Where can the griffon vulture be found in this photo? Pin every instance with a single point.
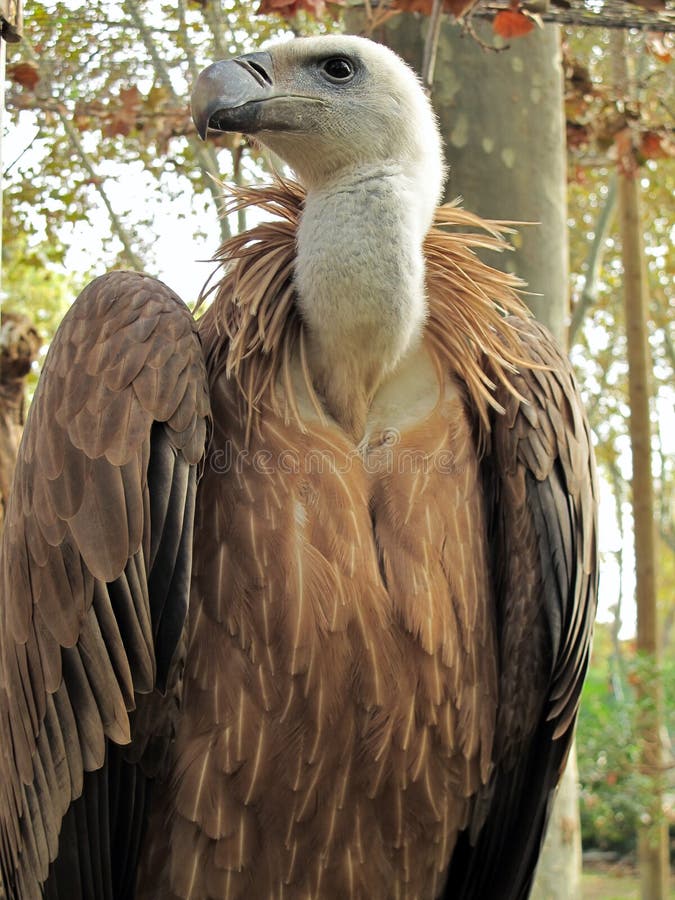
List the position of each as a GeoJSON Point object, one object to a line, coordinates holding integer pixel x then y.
{"type": "Point", "coordinates": [297, 599]}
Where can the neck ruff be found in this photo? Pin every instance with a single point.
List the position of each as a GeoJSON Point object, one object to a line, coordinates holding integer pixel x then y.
{"type": "Point", "coordinates": [252, 328]}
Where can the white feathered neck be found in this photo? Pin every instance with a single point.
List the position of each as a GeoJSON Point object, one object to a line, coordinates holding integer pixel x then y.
{"type": "Point", "coordinates": [359, 275]}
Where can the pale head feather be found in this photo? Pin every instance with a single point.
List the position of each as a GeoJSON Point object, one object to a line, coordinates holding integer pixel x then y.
{"type": "Point", "coordinates": [383, 118]}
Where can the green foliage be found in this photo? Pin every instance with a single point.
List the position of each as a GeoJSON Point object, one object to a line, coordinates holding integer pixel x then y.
{"type": "Point", "coordinates": [33, 284]}
{"type": "Point", "coordinates": [608, 759]}
{"type": "Point", "coordinates": [613, 792]}
{"type": "Point", "coordinates": [36, 285]}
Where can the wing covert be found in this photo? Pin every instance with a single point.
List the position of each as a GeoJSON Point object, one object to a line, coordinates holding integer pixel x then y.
{"type": "Point", "coordinates": [95, 572]}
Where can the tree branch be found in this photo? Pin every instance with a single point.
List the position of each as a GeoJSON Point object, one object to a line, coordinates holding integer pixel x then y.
{"type": "Point", "coordinates": [431, 46]}
{"type": "Point", "coordinates": [653, 835]}
{"type": "Point", "coordinates": [16, 159]}
{"type": "Point", "coordinates": [74, 138]}
{"type": "Point", "coordinates": [205, 155]}
{"type": "Point", "coordinates": [594, 261]}
{"type": "Point", "coordinates": [187, 46]}
{"type": "Point", "coordinates": [214, 19]}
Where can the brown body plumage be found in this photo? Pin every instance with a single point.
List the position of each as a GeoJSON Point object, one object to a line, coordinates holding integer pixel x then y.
{"type": "Point", "coordinates": [374, 691]}
{"type": "Point", "coordinates": [338, 649]}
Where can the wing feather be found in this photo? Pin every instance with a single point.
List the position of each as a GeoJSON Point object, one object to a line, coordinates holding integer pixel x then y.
{"type": "Point", "coordinates": [541, 496]}
{"type": "Point", "coordinates": [95, 574]}
{"type": "Point", "coordinates": [66, 718]}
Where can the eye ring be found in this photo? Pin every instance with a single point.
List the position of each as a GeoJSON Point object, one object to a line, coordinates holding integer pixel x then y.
{"type": "Point", "coordinates": [337, 69]}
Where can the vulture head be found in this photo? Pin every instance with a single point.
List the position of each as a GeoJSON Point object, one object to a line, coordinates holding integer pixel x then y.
{"type": "Point", "coordinates": [327, 106]}
{"type": "Point", "coordinates": [352, 121]}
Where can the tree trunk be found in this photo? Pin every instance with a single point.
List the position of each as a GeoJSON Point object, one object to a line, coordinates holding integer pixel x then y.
{"type": "Point", "coordinates": [559, 871]}
{"type": "Point", "coordinates": [653, 834]}
{"type": "Point", "coordinates": [653, 837]}
{"type": "Point", "coordinates": [501, 117]}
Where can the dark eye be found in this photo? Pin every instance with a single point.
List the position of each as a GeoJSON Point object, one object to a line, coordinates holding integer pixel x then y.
{"type": "Point", "coordinates": [338, 68]}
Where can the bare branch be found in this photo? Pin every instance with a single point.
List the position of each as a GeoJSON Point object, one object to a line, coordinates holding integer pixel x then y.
{"type": "Point", "coordinates": [431, 46]}
{"type": "Point", "coordinates": [16, 159]}
{"type": "Point", "coordinates": [74, 139]}
{"type": "Point", "coordinates": [214, 16]}
{"type": "Point", "coordinates": [205, 155]}
{"type": "Point", "coordinates": [121, 232]}
{"type": "Point", "coordinates": [594, 261]}
{"type": "Point", "coordinates": [186, 45]}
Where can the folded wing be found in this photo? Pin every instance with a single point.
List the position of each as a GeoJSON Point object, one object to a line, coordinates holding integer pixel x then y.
{"type": "Point", "coordinates": [541, 497]}
{"type": "Point", "coordinates": [95, 568]}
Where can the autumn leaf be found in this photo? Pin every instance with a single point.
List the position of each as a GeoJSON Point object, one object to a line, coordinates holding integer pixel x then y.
{"type": "Point", "coordinates": [289, 8]}
{"type": "Point", "coordinates": [510, 23]}
{"type": "Point", "coordinates": [633, 679]}
{"type": "Point", "coordinates": [457, 8]}
{"type": "Point", "coordinates": [578, 175]}
{"type": "Point", "coordinates": [25, 73]}
{"type": "Point", "coordinates": [660, 45]}
{"type": "Point", "coordinates": [125, 114]}
{"type": "Point", "coordinates": [577, 135]}
{"type": "Point", "coordinates": [656, 146]}
{"type": "Point", "coordinates": [414, 6]}
{"type": "Point", "coordinates": [130, 97]}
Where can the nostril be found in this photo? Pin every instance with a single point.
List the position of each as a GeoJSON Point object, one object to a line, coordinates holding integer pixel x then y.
{"type": "Point", "coordinates": [255, 69]}
{"type": "Point", "coordinates": [261, 71]}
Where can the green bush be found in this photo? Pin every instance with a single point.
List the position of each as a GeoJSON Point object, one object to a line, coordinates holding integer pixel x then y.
{"type": "Point", "coordinates": [608, 766]}
{"type": "Point", "coordinates": [612, 789]}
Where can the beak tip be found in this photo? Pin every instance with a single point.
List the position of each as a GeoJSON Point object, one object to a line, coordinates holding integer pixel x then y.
{"type": "Point", "coordinates": [200, 119]}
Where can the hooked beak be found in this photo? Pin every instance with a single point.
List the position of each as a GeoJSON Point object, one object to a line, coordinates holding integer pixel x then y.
{"type": "Point", "coordinates": [230, 95]}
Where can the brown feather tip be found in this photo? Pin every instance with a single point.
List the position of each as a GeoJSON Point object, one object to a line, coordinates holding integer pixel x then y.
{"type": "Point", "coordinates": [254, 307]}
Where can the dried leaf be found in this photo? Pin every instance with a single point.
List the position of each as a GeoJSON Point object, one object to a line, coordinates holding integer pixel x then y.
{"type": "Point", "coordinates": [510, 23]}
{"type": "Point", "coordinates": [25, 73]}
{"type": "Point", "coordinates": [289, 8]}
{"type": "Point", "coordinates": [578, 175]}
{"type": "Point", "coordinates": [660, 45]}
{"type": "Point", "coordinates": [457, 8]}
{"type": "Point", "coordinates": [131, 98]}
{"type": "Point", "coordinates": [654, 145]}
{"type": "Point", "coordinates": [577, 135]}
{"type": "Point", "coordinates": [651, 5]}
{"type": "Point", "coordinates": [414, 6]}
{"type": "Point", "coordinates": [124, 115]}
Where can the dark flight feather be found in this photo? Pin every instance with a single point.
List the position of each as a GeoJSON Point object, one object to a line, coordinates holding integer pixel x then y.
{"type": "Point", "coordinates": [82, 634]}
